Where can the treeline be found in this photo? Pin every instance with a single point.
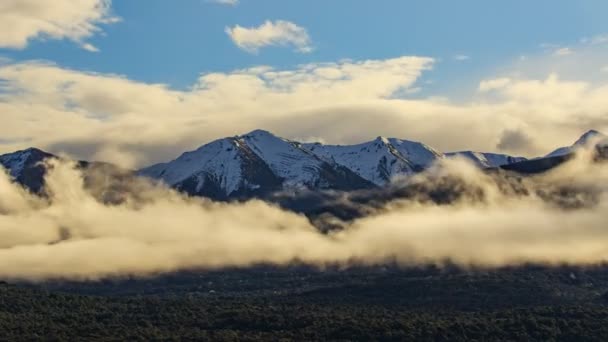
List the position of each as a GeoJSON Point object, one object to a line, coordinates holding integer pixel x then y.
{"type": "Point", "coordinates": [32, 314]}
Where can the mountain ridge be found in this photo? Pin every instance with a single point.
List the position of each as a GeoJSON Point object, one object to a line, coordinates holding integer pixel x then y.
{"type": "Point", "coordinates": [259, 163]}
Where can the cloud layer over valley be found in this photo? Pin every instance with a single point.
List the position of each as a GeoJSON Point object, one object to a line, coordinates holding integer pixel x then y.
{"type": "Point", "coordinates": [72, 235]}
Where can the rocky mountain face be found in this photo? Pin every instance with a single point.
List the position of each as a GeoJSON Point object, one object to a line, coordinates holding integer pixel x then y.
{"type": "Point", "coordinates": [380, 160]}
{"type": "Point", "coordinates": [261, 162]}
{"type": "Point", "coordinates": [252, 164]}
{"type": "Point", "coordinates": [26, 167]}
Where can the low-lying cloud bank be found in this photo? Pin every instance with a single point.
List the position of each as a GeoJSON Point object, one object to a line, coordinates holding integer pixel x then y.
{"type": "Point", "coordinates": [71, 235]}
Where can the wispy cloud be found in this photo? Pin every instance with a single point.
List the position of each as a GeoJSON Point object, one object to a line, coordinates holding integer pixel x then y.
{"type": "Point", "coordinates": [461, 58]}
{"type": "Point", "coordinates": [225, 2]}
{"type": "Point", "coordinates": [89, 47]}
{"type": "Point", "coordinates": [595, 40]}
{"type": "Point", "coordinates": [24, 20]}
{"type": "Point", "coordinates": [564, 51]}
{"type": "Point", "coordinates": [277, 33]}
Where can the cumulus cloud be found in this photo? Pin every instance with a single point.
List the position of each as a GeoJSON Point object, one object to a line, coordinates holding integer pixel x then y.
{"type": "Point", "coordinates": [277, 33]}
{"type": "Point", "coordinates": [113, 118]}
{"type": "Point", "coordinates": [24, 20]}
{"type": "Point", "coordinates": [71, 235]}
{"type": "Point", "coordinates": [88, 114]}
{"type": "Point", "coordinates": [494, 84]}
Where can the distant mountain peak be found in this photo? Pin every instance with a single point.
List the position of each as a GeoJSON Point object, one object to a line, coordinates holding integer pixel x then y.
{"type": "Point", "coordinates": [259, 133]}
{"type": "Point", "coordinates": [485, 159]}
{"type": "Point", "coordinates": [255, 162]}
{"type": "Point", "coordinates": [382, 140]}
{"type": "Point", "coordinates": [259, 163]}
{"type": "Point", "coordinates": [29, 150]}
{"type": "Point", "coordinates": [591, 136]}
{"type": "Point", "coordinates": [588, 136]}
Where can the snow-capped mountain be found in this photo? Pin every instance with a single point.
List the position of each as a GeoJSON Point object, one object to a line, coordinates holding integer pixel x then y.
{"type": "Point", "coordinates": [260, 163]}
{"type": "Point", "coordinates": [215, 169]}
{"type": "Point", "coordinates": [296, 165]}
{"type": "Point", "coordinates": [591, 136]}
{"type": "Point", "coordinates": [257, 162]}
{"type": "Point", "coordinates": [380, 160]}
{"type": "Point", "coordinates": [25, 167]}
{"type": "Point", "coordinates": [485, 159]}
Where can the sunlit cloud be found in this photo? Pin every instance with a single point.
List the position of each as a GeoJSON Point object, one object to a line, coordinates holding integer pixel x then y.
{"type": "Point", "coordinates": [95, 116]}
{"type": "Point", "coordinates": [25, 20]}
{"type": "Point", "coordinates": [277, 33]}
{"type": "Point", "coordinates": [495, 84]}
{"type": "Point", "coordinates": [156, 230]}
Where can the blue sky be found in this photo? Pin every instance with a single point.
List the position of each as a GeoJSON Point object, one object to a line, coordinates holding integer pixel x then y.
{"type": "Point", "coordinates": [135, 82]}
{"type": "Point", "coordinates": [172, 42]}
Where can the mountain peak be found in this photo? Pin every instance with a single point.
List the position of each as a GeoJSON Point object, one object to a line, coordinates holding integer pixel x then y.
{"type": "Point", "coordinates": [589, 135]}
{"type": "Point", "coordinates": [21, 161]}
{"type": "Point", "coordinates": [382, 140]}
{"type": "Point", "coordinates": [259, 133]}
{"type": "Point", "coordinates": [28, 150]}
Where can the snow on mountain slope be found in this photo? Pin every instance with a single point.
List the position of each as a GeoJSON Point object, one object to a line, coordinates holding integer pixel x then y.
{"type": "Point", "coordinates": [377, 161]}
{"type": "Point", "coordinates": [486, 160]}
{"type": "Point", "coordinates": [591, 136]}
{"type": "Point", "coordinates": [297, 166]}
{"type": "Point", "coordinates": [222, 168]}
{"type": "Point", "coordinates": [381, 159]}
{"type": "Point", "coordinates": [419, 154]}
{"type": "Point", "coordinates": [15, 163]}
{"type": "Point", "coordinates": [26, 168]}
{"type": "Point", "coordinates": [219, 158]}
{"type": "Point", "coordinates": [255, 161]}
{"type": "Point", "coordinates": [287, 159]}
{"type": "Point", "coordinates": [259, 163]}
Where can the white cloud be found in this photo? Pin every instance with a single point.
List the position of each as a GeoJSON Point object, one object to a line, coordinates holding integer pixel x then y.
{"type": "Point", "coordinates": [490, 85]}
{"type": "Point", "coordinates": [89, 47]}
{"type": "Point", "coordinates": [94, 116]}
{"type": "Point", "coordinates": [225, 2]}
{"type": "Point", "coordinates": [604, 69]}
{"type": "Point", "coordinates": [74, 231]}
{"type": "Point", "coordinates": [278, 33]}
{"type": "Point", "coordinates": [24, 20]}
{"type": "Point", "coordinates": [113, 118]}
